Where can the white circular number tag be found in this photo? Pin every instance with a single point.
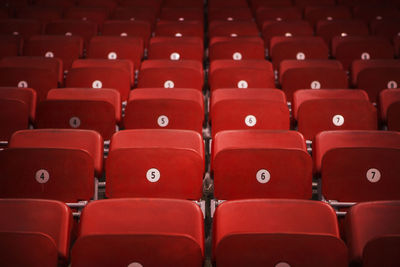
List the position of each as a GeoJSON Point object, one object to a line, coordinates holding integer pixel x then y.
{"type": "Point", "coordinates": [178, 34]}
{"type": "Point", "coordinates": [288, 34]}
{"type": "Point", "coordinates": [162, 121]}
{"type": "Point", "coordinates": [42, 176]}
{"type": "Point", "coordinates": [250, 120]}
{"type": "Point", "coordinates": [242, 84]}
{"type": "Point", "coordinates": [135, 264]}
{"type": "Point", "coordinates": [169, 84]}
{"type": "Point", "coordinates": [112, 55]}
{"type": "Point", "coordinates": [74, 122]}
{"type": "Point", "coordinates": [229, 19]}
{"type": "Point", "coordinates": [49, 54]}
{"type": "Point", "coordinates": [234, 35]}
{"type": "Point", "coordinates": [282, 264]}
{"type": "Point", "coordinates": [315, 85]}
{"type": "Point", "coordinates": [329, 18]}
{"type": "Point", "coordinates": [175, 56]}
{"type": "Point", "coordinates": [300, 56]}
{"type": "Point", "coordinates": [123, 34]}
{"type": "Point", "coordinates": [153, 175]}
{"type": "Point", "coordinates": [373, 175]}
{"type": "Point", "coordinates": [68, 34]}
{"type": "Point", "coordinates": [343, 34]}
{"type": "Point", "coordinates": [97, 84]}
{"type": "Point", "coordinates": [237, 56]}
{"type": "Point", "coordinates": [338, 120]}
{"type": "Point", "coordinates": [23, 84]}
{"type": "Point", "coordinates": [263, 176]}
{"type": "Point", "coordinates": [15, 33]}
{"type": "Point", "coordinates": [365, 56]}
{"type": "Point", "coordinates": [392, 84]}
{"type": "Point", "coordinates": [181, 19]}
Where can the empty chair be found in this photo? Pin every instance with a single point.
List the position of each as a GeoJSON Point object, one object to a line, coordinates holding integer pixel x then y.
{"type": "Point", "coordinates": [101, 73]}
{"type": "Point", "coordinates": [241, 74]}
{"type": "Point", "coordinates": [81, 108]}
{"type": "Point", "coordinates": [23, 27]}
{"type": "Point", "coordinates": [396, 43]}
{"type": "Point", "coordinates": [315, 13]}
{"type": "Point", "coordinates": [40, 74]}
{"type": "Point", "coordinates": [154, 4]}
{"type": "Point", "coordinates": [10, 45]}
{"type": "Point", "coordinates": [267, 14]}
{"type": "Point", "coordinates": [84, 29]}
{"type": "Point", "coordinates": [257, 4]}
{"type": "Point", "coordinates": [171, 229]}
{"type": "Point", "coordinates": [389, 103]}
{"type": "Point", "coordinates": [370, 12]}
{"type": "Point", "coordinates": [135, 13]}
{"type": "Point", "coordinates": [300, 48]}
{"type": "Point", "coordinates": [40, 13]}
{"type": "Point", "coordinates": [171, 74]}
{"type": "Point", "coordinates": [224, 4]}
{"type": "Point", "coordinates": [66, 48]}
{"type": "Point", "coordinates": [175, 108]}
{"type": "Point", "coordinates": [36, 232]}
{"type": "Point", "coordinates": [60, 167]}
{"type": "Point", "coordinates": [328, 29]}
{"type": "Point", "coordinates": [304, 3]}
{"type": "Point", "coordinates": [183, 3]}
{"type": "Point", "coordinates": [285, 28]}
{"type": "Point", "coordinates": [388, 28]}
{"type": "Point", "coordinates": [181, 14]}
{"type": "Point", "coordinates": [375, 75]}
{"type": "Point", "coordinates": [90, 141]}
{"type": "Point", "coordinates": [172, 48]}
{"type": "Point", "coordinates": [233, 29]}
{"type": "Point", "coordinates": [234, 109]}
{"type": "Point", "coordinates": [230, 14]}
{"type": "Point", "coordinates": [123, 28]}
{"type": "Point", "coordinates": [18, 107]}
{"type": "Point", "coordinates": [179, 29]}
{"type": "Point", "coordinates": [349, 48]}
{"type": "Point", "coordinates": [117, 47]}
{"type": "Point", "coordinates": [59, 3]}
{"type": "Point", "coordinates": [107, 4]}
{"type": "Point", "coordinates": [322, 110]}
{"type": "Point", "coordinates": [313, 74]}
{"type": "Point", "coordinates": [95, 14]}
{"type": "Point", "coordinates": [372, 233]}
{"type": "Point", "coordinates": [259, 232]}
{"type": "Point", "coordinates": [153, 175]}
{"type": "Point", "coordinates": [253, 164]}
{"type": "Point", "coordinates": [236, 48]}
{"type": "Point", "coordinates": [358, 165]}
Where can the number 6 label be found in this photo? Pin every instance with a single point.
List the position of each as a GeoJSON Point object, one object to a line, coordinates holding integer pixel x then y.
{"type": "Point", "coordinates": [373, 175]}
{"type": "Point", "coordinates": [250, 120]}
{"type": "Point", "coordinates": [263, 176]}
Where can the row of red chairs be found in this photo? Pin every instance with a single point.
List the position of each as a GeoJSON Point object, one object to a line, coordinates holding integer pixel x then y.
{"type": "Point", "coordinates": [153, 232]}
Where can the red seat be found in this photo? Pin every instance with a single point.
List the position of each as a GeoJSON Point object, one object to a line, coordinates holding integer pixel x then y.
{"type": "Point", "coordinates": [10, 45]}
{"type": "Point", "coordinates": [322, 110]}
{"type": "Point", "coordinates": [95, 14]}
{"type": "Point", "coordinates": [106, 4]}
{"type": "Point", "coordinates": [136, 13]}
{"type": "Point", "coordinates": [285, 28]}
{"type": "Point", "coordinates": [168, 109]}
{"type": "Point", "coordinates": [313, 14]}
{"type": "Point", "coordinates": [171, 74]}
{"type": "Point", "coordinates": [389, 108]}
{"type": "Point", "coordinates": [277, 233]}
{"type": "Point", "coordinates": [256, 4]}
{"type": "Point", "coordinates": [300, 48]}
{"type": "Point", "coordinates": [183, 3]}
{"type": "Point", "coordinates": [176, 237]}
{"type": "Point", "coordinates": [87, 140]}
{"type": "Point", "coordinates": [59, 3]}
{"type": "Point", "coordinates": [373, 233]}
{"type": "Point", "coordinates": [181, 14]}
{"type": "Point", "coordinates": [229, 14]}
{"type": "Point", "coordinates": [313, 74]}
{"type": "Point", "coordinates": [396, 43]}
{"type": "Point", "coordinates": [117, 47]}
{"type": "Point", "coordinates": [152, 175]}
{"type": "Point", "coordinates": [40, 13]}
{"type": "Point", "coordinates": [328, 29]}
{"type": "Point", "coordinates": [349, 48]}
{"type": "Point", "coordinates": [304, 3]}
{"type": "Point", "coordinates": [236, 48]}
{"type": "Point", "coordinates": [66, 48]}
{"type": "Point", "coordinates": [40, 74]}
{"type": "Point", "coordinates": [388, 28]}
{"type": "Point", "coordinates": [253, 164]}
{"type": "Point", "coordinates": [18, 106]}
{"type": "Point", "coordinates": [241, 74]}
{"type": "Point", "coordinates": [225, 4]}
{"type": "Point", "coordinates": [101, 73]}
{"type": "Point", "coordinates": [23, 27]}
{"type": "Point", "coordinates": [235, 109]}
{"type": "Point", "coordinates": [375, 75]}
{"type": "Point", "coordinates": [123, 28]}
{"type": "Point", "coordinates": [172, 48]}
{"type": "Point", "coordinates": [36, 232]}
{"type": "Point", "coordinates": [283, 13]}
{"type": "Point", "coordinates": [81, 108]}
{"type": "Point", "coordinates": [233, 29]}
{"type": "Point", "coordinates": [179, 29]}
{"type": "Point", "coordinates": [372, 176]}
{"type": "Point", "coordinates": [84, 29]}
{"type": "Point", "coordinates": [378, 11]}
{"type": "Point", "coordinates": [62, 172]}
{"type": "Point", "coordinates": [153, 4]}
